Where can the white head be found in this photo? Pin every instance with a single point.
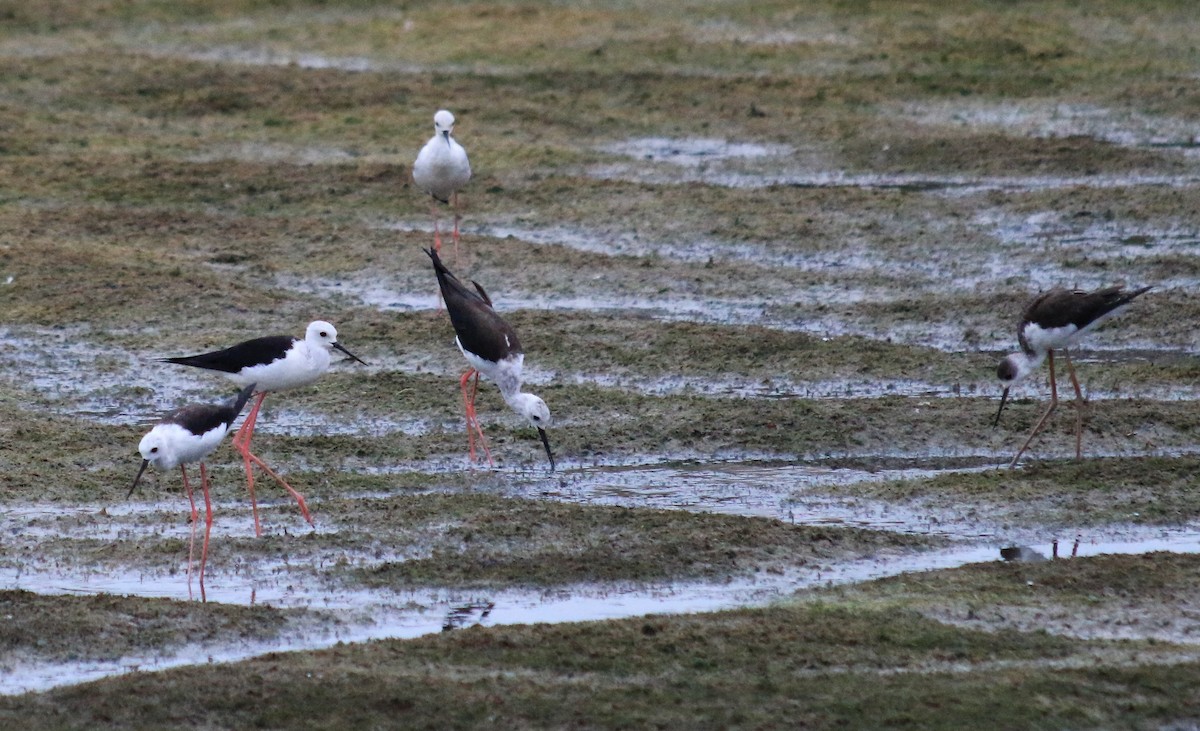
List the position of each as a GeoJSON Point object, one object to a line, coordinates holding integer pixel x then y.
{"type": "Point", "coordinates": [537, 413]}
{"type": "Point", "coordinates": [156, 449]}
{"type": "Point", "coordinates": [323, 335]}
{"type": "Point", "coordinates": [443, 123]}
{"type": "Point", "coordinates": [1015, 367]}
{"type": "Point", "coordinates": [533, 408]}
{"type": "Point", "coordinates": [1011, 370]}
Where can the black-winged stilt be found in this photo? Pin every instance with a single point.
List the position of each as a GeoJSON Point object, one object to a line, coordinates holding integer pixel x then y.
{"type": "Point", "coordinates": [491, 347]}
{"type": "Point", "coordinates": [440, 170]}
{"type": "Point", "coordinates": [189, 435]}
{"type": "Point", "coordinates": [275, 363]}
{"type": "Point", "coordinates": [1055, 320]}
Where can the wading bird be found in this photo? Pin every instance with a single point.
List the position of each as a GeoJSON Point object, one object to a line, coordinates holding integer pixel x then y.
{"type": "Point", "coordinates": [189, 435]}
{"type": "Point", "coordinates": [440, 170]}
{"type": "Point", "coordinates": [275, 363]}
{"type": "Point", "coordinates": [1055, 320]}
{"type": "Point", "coordinates": [491, 347]}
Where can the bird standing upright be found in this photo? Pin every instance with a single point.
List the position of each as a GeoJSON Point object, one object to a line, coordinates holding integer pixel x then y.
{"type": "Point", "coordinates": [189, 435]}
{"type": "Point", "coordinates": [275, 363]}
{"type": "Point", "coordinates": [1055, 320]}
{"type": "Point", "coordinates": [441, 168]}
{"type": "Point", "coordinates": [491, 347]}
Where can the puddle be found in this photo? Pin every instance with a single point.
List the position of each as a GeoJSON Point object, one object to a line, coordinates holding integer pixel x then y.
{"type": "Point", "coordinates": [814, 33]}
{"type": "Point", "coordinates": [261, 56]}
{"type": "Point", "coordinates": [736, 488]}
{"type": "Point", "coordinates": [1051, 119]}
{"type": "Point", "coordinates": [774, 387]}
{"type": "Point", "coordinates": [278, 152]}
{"type": "Point", "coordinates": [1038, 250]}
{"type": "Point", "coordinates": [1027, 240]}
{"type": "Point", "coordinates": [789, 312]}
{"type": "Point", "coordinates": [694, 152]}
{"type": "Point", "coordinates": [781, 490]}
{"type": "Point", "coordinates": [954, 185]}
{"type": "Point", "coordinates": [377, 615]}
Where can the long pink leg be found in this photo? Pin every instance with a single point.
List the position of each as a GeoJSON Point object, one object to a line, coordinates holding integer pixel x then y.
{"type": "Point", "coordinates": [462, 383]}
{"type": "Point", "coordinates": [457, 217]}
{"type": "Point", "coordinates": [241, 442]}
{"type": "Point", "coordinates": [195, 518]}
{"type": "Point", "coordinates": [1079, 404]}
{"type": "Point", "coordinates": [437, 234]}
{"type": "Point", "coordinates": [291, 490]}
{"type": "Point", "coordinates": [475, 418]}
{"type": "Point", "coordinates": [1041, 422]}
{"type": "Point", "coordinates": [473, 427]}
{"type": "Point", "coordinates": [208, 521]}
{"type": "Point", "coordinates": [437, 244]}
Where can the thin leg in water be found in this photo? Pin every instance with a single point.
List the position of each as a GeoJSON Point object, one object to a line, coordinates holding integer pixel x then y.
{"type": "Point", "coordinates": [437, 234]}
{"type": "Point", "coordinates": [473, 427]}
{"type": "Point", "coordinates": [195, 517]}
{"type": "Point", "coordinates": [241, 442]}
{"type": "Point", "coordinates": [1079, 404]}
{"type": "Point", "coordinates": [208, 521]}
{"type": "Point", "coordinates": [1042, 421]}
{"type": "Point", "coordinates": [300, 503]}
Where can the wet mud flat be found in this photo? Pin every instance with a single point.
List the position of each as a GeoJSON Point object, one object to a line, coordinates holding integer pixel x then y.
{"type": "Point", "coordinates": [763, 260]}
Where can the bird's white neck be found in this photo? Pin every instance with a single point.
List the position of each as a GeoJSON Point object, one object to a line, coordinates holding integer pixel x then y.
{"type": "Point", "coordinates": [509, 384]}
{"type": "Point", "coordinates": [1026, 363]}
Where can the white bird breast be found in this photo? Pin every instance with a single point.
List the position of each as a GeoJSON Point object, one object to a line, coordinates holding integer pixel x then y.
{"type": "Point", "coordinates": [177, 445]}
{"type": "Point", "coordinates": [1043, 339]}
{"type": "Point", "coordinates": [302, 365]}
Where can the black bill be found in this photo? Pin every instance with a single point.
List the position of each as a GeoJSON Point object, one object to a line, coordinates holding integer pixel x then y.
{"type": "Point", "coordinates": [132, 487]}
{"type": "Point", "coordinates": [1003, 399]}
{"type": "Point", "coordinates": [546, 442]}
{"type": "Point", "coordinates": [338, 346]}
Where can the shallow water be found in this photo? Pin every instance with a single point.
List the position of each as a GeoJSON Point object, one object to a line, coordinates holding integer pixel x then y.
{"type": "Point", "coordinates": [1025, 249]}
{"type": "Point", "coordinates": [381, 614]}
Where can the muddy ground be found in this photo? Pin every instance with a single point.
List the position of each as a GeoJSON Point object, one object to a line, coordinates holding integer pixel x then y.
{"type": "Point", "coordinates": [763, 259]}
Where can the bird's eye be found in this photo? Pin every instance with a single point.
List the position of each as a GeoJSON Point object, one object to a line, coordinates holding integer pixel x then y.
{"type": "Point", "coordinates": [324, 334]}
{"type": "Point", "coordinates": [537, 418]}
{"type": "Point", "coordinates": [153, 450]}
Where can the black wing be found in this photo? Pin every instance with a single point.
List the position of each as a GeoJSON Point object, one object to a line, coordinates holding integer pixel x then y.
{"type": "Point", "coordinates": [259, 351]}
{"type": "Point", "coordinates": [1061, 307]}
{"type": "Point", "coordinates": [202, 418]}
{"type": "Point", "coordinates": [480, 330]}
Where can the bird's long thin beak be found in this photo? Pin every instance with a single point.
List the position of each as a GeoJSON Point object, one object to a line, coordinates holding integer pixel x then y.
{"type": "Point", "coordinates": [145, 462]}
{"type": "Point", "coordinates": [1003, 398]}
{"type": "Point", "coordinates": [546, 442]}
{"type": "Point", "coordinates": [338, 346]}
{"type": "Point", "coordinates": [446, 134]}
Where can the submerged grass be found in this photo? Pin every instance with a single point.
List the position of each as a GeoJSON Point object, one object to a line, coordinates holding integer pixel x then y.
{"type": "Point", "coordinates": [106, 627]}
{"type": "Point", "coordinates": [818, 665]}
{"type": "Point", "coordinates": [488, 541]}
{"type": "Point", "coordinates": [1100, 583]}
{"type": "Point", "coordinates": [1154, 490]}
